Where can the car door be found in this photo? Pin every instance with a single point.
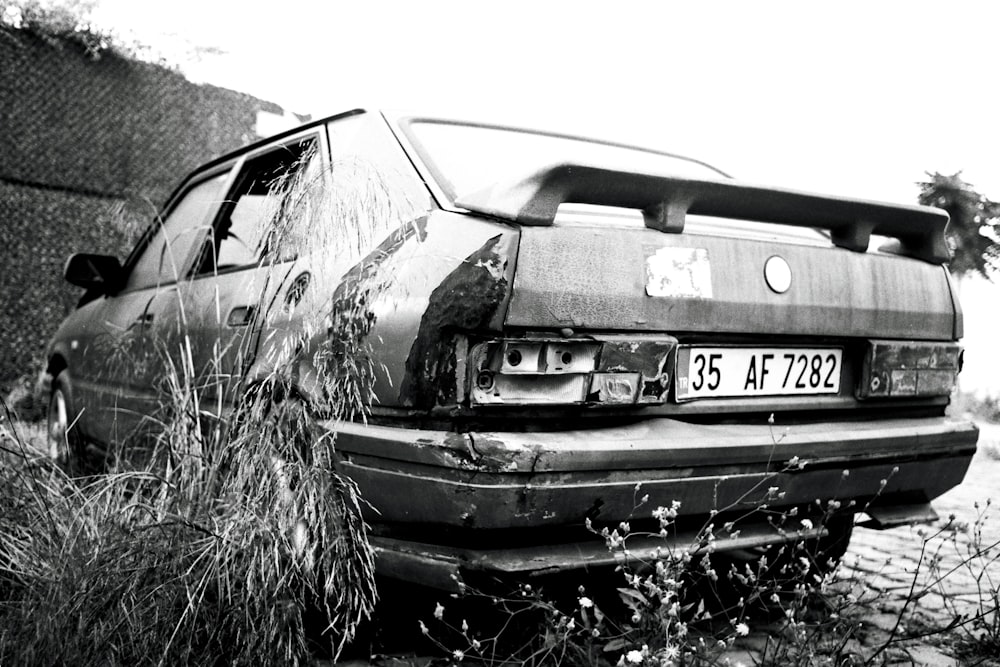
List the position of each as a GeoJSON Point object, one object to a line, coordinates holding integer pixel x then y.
{"type": "Point", "coordinates": [214, 315]}
{"type": "Point", "coordinates": [120, 376]}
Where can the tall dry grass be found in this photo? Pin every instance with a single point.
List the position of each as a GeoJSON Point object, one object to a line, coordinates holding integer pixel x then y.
{"type": "Point", "coordinates": [227, 536]}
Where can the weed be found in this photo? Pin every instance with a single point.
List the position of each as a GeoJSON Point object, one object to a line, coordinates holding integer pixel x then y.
{"type": "Point", "coordinates": [216, 534]}
{"type": "Point", "coordinates": [683, 604]}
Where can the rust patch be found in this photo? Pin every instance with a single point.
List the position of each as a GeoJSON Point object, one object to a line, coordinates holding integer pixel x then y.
{"type": "Point", "coordinates": [467, 299]}
{"type": "Point", "coordinates": [491, 455]}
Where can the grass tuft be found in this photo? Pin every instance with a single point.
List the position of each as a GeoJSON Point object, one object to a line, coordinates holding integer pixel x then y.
{"type": "Point", "coordinates": [211, 535]}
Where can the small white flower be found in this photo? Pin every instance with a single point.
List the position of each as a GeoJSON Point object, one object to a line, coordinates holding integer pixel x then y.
{"type": "Point", "coordinates": [806, 523]}
{"type": "Point", "coordinates": [671, 652]}
{"type": "Point", "coordinates": [586, 602]}
{"type": "Point", "coordinates": [634, 657]}
{"type": "Point", "coordinates": [742, 629]}
{"type": "Point", "coordinates": [458, 655]}
{"type": "Point", "coordinates": [439, 611]}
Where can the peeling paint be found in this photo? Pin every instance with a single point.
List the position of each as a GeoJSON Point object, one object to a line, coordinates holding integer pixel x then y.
{"type": "Point", "coordinates": [494, 456]}
{"type": "Point", "coordinates": [678, 273]}
{"type": "Point", "coordinates": [467, 299]}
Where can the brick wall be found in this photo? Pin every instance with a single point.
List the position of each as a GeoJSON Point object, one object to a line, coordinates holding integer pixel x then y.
{"type": "Point", "coordinates": [85, 144]}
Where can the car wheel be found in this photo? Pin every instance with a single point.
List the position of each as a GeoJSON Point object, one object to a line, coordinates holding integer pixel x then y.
{"type": "Point", "coordinates": [62, 440]}
{"type": "Point", "coordinates": [799, 568]}
{"type": "Point", "coordinates": [827, 551]}
{"type": "Point", "coordinates": [770, 577]}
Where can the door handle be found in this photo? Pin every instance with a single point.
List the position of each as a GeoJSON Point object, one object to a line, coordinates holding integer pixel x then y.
{"type": "Point", "coordinates": [239, 316]}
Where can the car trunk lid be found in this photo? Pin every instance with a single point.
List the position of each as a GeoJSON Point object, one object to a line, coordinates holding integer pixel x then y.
{"type": "Point", "coordinates": [640, 279]}
{"type": "Point", "coordinates": [666, 276]}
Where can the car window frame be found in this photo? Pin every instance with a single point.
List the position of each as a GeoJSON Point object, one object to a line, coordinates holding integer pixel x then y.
{"type": "Point", "coordinates": [189, 184]}
{"type": "Point", "coordinates": [228, 203]}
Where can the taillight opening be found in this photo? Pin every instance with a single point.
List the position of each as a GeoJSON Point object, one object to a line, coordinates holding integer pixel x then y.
{"type": "Point", "coordinates": [909, 369]}
{"type": "Point", "coordinates": [606, 370]}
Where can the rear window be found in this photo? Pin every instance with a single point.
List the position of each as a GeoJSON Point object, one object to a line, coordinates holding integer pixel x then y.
{"type": "Point", "coordinates": [466, 158]}
{"type": "Point", "coordinates": [588, 215]}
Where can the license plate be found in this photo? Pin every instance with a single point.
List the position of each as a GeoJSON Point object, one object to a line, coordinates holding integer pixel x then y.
{"type": "Point", "coordinates": [722, 372]}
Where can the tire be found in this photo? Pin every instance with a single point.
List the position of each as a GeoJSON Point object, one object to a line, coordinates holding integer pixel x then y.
{"type": "Point", "coordinates": [769, 578]}
{"type": "Point", "coordinates": [796, 570]}
{"type": "Point", "coordinates": [63, 442]}
{"type": "Point", "coordinates": [825, 552]}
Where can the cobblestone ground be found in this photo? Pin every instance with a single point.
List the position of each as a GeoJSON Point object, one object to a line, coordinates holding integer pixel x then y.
{"type": "Point", "coordinates": [943, 570]}
{"type": "Point", "coordinates": [951, 553]}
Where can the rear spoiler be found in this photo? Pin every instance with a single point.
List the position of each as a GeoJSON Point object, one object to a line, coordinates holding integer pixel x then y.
{"type": "Point", "coordinates": [665, 201]}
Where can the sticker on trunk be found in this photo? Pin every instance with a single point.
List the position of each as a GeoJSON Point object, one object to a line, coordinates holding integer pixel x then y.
{"type": "Point", "coordinates": [679, 273]}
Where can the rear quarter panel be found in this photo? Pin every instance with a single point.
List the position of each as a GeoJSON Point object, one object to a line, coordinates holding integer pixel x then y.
{"type": "Point", "coordinates": [454, 275]}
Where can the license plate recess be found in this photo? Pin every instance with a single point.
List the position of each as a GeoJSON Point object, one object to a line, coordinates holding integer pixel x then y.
{"type": "Point", "coordinates": [731, 371]}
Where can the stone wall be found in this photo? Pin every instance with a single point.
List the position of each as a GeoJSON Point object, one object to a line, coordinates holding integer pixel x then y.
{"type": "Point", "coordinates": [89, 151]}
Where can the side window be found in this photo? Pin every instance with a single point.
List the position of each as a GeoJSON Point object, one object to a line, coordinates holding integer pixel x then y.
{"type": "Point", "coordinates": [368, 191]}
{"type": "Point", "coordinates": [258, 194]}
{"type": "Point", "coordinates": [165, 256]}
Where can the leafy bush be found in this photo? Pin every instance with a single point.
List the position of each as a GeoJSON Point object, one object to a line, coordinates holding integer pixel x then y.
{"type": "Point", "coordinates": [65, 22]}
{"type": "Point", "coordinates": [985, 407]}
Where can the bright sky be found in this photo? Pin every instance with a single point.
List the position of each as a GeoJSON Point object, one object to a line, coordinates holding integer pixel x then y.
{"type": "Point", "coordinates": [851, 97]}
{"type": "Point", "coordinates": [855, 98]}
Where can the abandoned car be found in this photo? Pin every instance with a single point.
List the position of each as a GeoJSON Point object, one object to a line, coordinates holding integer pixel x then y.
{"type": "Point", "coordinates": [554, 333]}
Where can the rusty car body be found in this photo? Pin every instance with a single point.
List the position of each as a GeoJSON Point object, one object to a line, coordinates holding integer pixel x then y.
{"type": "Point", "coordinates": [562, 332]}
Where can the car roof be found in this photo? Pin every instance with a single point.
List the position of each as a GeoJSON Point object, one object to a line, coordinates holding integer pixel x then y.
{"type": "Point", "coordinates": [265, 141]}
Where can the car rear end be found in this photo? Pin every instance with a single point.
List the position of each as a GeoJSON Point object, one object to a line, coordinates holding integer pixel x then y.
{"type": "Point", "coordinates": [643, 340]}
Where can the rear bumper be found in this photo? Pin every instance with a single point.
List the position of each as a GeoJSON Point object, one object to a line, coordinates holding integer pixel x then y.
{"type": "Point", "coordinates": [442, 567]}
{"type": "Point", "coordinates": [475, 484]}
